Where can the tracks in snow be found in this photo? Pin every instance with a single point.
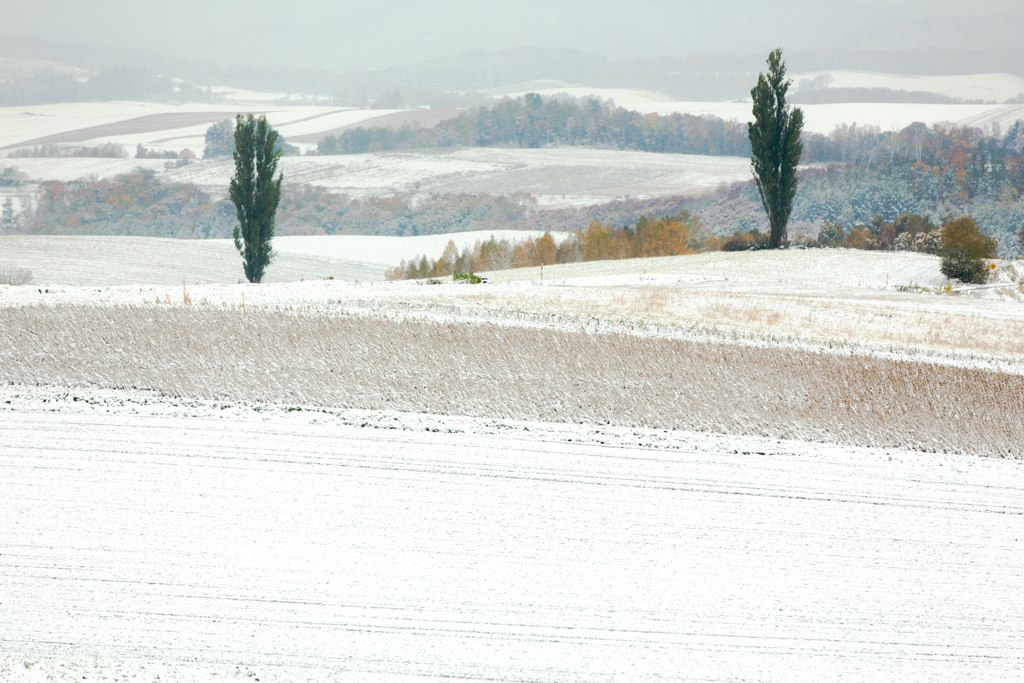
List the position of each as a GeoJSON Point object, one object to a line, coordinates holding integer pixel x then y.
{"type": "Point", "coordinates": [303, 546]}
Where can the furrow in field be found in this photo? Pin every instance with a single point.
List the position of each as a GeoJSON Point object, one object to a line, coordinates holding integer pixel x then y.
{"type": "Point", "coordinates": [299, 544]}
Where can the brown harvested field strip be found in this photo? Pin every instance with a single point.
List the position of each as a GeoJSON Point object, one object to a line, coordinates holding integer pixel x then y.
{"type": "Point", "coordinates": [424, 118]}
{"type": "Point", "coordinates": [140, 124]}
{"type": "Point", "coordinates": [487, 370]}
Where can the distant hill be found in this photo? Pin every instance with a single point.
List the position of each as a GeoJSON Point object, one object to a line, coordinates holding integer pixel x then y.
{"type": "Point", "coordinates": [434, 81]}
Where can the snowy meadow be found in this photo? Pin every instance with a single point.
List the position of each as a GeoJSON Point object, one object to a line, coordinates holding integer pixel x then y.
{"type": "Point", "coordinates": [151, 538]}
{"type": "Point", "coordinates": [755, 466]}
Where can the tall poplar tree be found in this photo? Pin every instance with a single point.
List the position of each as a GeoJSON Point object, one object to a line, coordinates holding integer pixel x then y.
{"type": "Point", "coordinates": [775, 146]}
{"type": "Point", "coordinates": [255, 193]}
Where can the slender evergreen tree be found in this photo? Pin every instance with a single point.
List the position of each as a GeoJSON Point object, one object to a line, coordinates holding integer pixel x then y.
{"type": "Point", "coordinates": [255, 193]}
{"type": "Point", "coordinates": [775, 146]}
{"type": "Point", "coordinates": [8, 220]}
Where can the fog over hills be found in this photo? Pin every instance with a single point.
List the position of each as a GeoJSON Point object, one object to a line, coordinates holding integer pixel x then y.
{"type": "Point", "coordinates": [386, 34]}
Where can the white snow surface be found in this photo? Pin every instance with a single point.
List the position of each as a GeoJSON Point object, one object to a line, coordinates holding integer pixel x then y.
{"type": "Point", "coordinates": [157, 539]}
{"type": "Point", "coordinates": [994, 86]}
{"type": "Point", "coordinates": [152, 538]}
{"type": "Point", "coordinates": [91, 260]}
{"type": "Point", "coordinates": [390, 251]}
{"type": "Point", "coordinates": [95, 260]}
{"type": "Point", "coordinates": [823, 118]}
{"type": "Point", "coordinates": [556, 177]}
{"type": "Point", "coordinates": [889, 304]}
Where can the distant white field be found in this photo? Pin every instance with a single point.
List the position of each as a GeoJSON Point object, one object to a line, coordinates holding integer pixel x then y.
{"type": "Point", "coordinates": [174, 127]}
{"type": "Point", "coordinates": [823, 118]}
{"type": "Point", "coordinates": [992, 86]}
{"type": "Point", "coordinates": [159, 126]}
{"type": "Point", "coordinates": [390, 251]}
{"type": "Point", "coordinates": [564, 177]}
{"type": "Point", "coordinates": [567, 176]}
{"type": "Point", "coordinates": [995, 86]}
{"type": "Point", "coordinates": [879, 301]}
{"type": "Point", "coordinates": [118, 261]}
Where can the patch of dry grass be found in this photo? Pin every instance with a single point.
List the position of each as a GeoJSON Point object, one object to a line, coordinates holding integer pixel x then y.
{"type": "Point", "coordinates": [880, 319]}
{"type": "Point", "coordinates": [12, 275]}
{"type": "Point", "coordinates": [488, 370]}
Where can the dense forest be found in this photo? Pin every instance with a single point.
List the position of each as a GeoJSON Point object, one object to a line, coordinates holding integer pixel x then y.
{"type": "Point", "coordinates": [533, 121]}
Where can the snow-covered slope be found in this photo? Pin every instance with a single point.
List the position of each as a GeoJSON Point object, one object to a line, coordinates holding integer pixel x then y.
{"type": "Point", "coordinates": [154, 539]}
{"type": "Point", "coordinates": [119, 261]}
{"type": "Point", "coordinates": [997, 87]}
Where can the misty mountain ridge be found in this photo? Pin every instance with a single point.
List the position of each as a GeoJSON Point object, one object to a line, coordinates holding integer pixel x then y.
{"type": "Point", "coordinates": [398, 33]}
{"type": "Point", "coordinates": [707, 77]}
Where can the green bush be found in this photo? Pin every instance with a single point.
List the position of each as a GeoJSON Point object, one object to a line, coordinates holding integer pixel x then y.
{"type": "Point", "coordinates": [967, 270]}
{"type": "Point", "coordinates": [964, 249]}
{"type": "Point", "coordinates": [466, 278]}
{"type": "Point", "coordinates": [831, 234]}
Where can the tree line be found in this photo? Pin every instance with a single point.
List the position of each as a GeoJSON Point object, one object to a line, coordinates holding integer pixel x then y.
{"type": "Point", "coordinates": [940, 170]}
{"type": "Point", "coordinates": [674, 235]}
{"type": "Point", "coordinates": [533, 121]}
{"type": "Point", "coordinates": [140, 85]}
{"type": "Point", "coordinates": [134, 203]}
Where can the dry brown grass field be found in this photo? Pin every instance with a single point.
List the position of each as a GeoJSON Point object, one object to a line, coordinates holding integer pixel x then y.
{"type": "Point", "coordinates": [872, 319]}
{"type": "Point", "coordinates": [488, 370]}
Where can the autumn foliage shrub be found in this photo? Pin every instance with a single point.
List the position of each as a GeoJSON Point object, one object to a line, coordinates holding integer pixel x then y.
{"type": "Point", "coordinates": [964, 249]}
{"type": "Point", "coordinates": [674, 235]}
{"type": "Point", "coordinates": [746, 241]}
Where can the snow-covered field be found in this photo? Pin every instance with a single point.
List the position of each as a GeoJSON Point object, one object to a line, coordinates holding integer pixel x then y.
{"type": "Point", "coordinates": [158, 126]}
{"type": "Point", "coordinates": [823, 118]}
{"type": "Point", "coordinates": [874, 299]}
{"type": "Point", "coordinates": [570, 176]}
{"type": "Point", "coordinates": [564, 176]}
{"type": "Point", "coordinates": [558, 177]}
{"type": "Point", "coordinates": [119, 261]}
{"type": "Point", "coordinates": [997, 87]}
{"type": "Point", "coordinates": [175, 127]}
{"type": "Point", "coordinates": [390, 251]}
{"type": "Point", "coordinates": [152, 539]}
{"type": "Point", "coordinates": [586, 477]}
{"type": "Point", "coordinates": [100, 261]}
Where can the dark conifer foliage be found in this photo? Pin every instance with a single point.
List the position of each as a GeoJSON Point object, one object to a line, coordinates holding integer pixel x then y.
{"type": "Point", "coordinates": [775, 146]}
{"type": "Point", "coordinates": [255, 193]}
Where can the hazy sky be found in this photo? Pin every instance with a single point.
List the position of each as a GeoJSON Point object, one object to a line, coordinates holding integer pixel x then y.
{"type": "Point", "coordinates": [370, 34]}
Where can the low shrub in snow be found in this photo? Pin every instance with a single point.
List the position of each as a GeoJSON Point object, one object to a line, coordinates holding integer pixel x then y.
{"type": "Point", "coordinates": [11, 275]}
